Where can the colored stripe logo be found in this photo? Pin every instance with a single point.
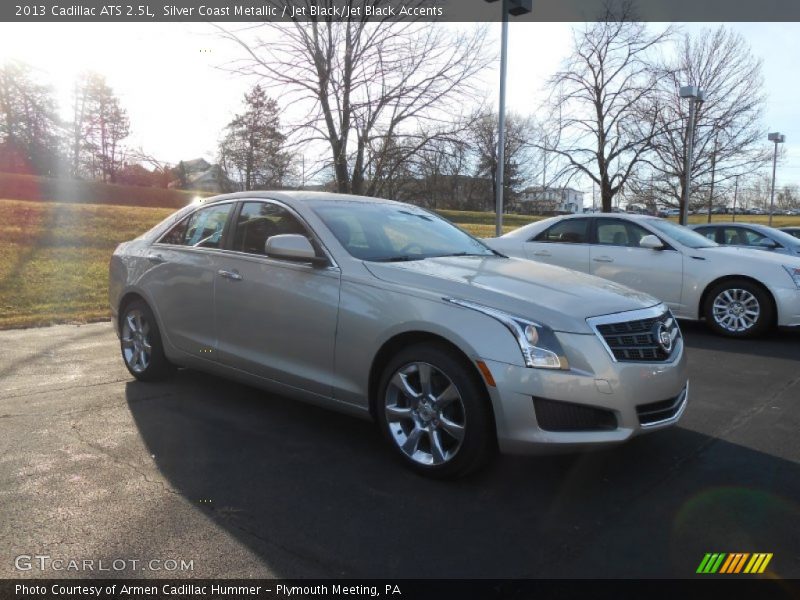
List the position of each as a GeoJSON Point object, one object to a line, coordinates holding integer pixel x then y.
{"type": "Point", "coordinates": [734, 563]}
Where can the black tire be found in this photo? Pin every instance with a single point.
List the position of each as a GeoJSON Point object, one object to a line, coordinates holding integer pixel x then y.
{"type": "Point", "coordinates": [739, 294]}
{"type": "Point", "coordinates": [472, 410]}
{"type": "Point", "coordinates": [155, 366]}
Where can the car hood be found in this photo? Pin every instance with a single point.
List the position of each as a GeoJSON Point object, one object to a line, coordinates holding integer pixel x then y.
{"type": "Point", "coordinates": [560, 298]}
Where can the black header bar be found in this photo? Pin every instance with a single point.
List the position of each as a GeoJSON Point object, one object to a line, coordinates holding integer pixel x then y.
{"type": "Point", "coordinates": [393, 10]}
{"type": "Point", "coordinates": [704, 587]}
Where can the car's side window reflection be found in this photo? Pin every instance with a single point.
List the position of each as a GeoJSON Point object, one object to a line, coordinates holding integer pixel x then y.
{"type": "Point", "coordinates": [611, 232]}
{"type": "Point", "coordinates": [568, 231]}
{"type": "Point", "coordinates": [259, 221]}
{"type": "Point", "coordinates": [176, 235]}
{"type": "Point", "coordinates": [206, 226]}
{"type": "Point", "coordinates": [201, 229]}
{"type": "Point", "coordinates": [708, 232]}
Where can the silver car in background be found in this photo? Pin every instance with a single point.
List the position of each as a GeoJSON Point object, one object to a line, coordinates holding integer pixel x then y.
{"type": "Point", "coordinates": [387, 311]}
{"type": "Point", "coordinates": [750, 235]}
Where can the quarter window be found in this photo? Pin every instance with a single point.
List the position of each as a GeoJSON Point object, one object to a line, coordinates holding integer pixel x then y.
{"type": "Point", "coordinates": [259, 221]}
{"type": "Point", "coordinates": [568, 231]}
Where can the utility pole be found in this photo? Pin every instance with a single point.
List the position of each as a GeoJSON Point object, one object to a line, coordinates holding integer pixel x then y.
{"type": "Point", "coordinates": [777, 138]}
{"type": "Point", "coordinates": [695, 95]}
{"type": "Point", "coordinates": [735, 195]}
{"type": "Point", "coordinates": [516, 8]}
{"type": "Point", "coordinates": [713, 173]}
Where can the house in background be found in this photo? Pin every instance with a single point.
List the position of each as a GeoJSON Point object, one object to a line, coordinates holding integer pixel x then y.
{"type": "Point", "coordinates": [200, 175]}
{"type": "Point", "coordinates": [550, 200]}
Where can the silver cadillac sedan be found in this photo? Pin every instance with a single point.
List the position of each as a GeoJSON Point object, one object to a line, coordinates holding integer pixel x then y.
{"type": "Point", "coordinates": [388, 311]}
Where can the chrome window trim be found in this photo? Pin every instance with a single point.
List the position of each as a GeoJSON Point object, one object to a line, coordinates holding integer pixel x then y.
{"type": "Point", "coordinates": [188, 215]}
{"type": "Point", "coordinates": [635, 315]}
{"type": "Point", "coordinates": [260, 257]}
{"type": "Point", "coordinates": [302, 221]}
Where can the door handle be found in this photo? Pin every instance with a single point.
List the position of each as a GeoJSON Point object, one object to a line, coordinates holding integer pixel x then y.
{"type": "Point", "coordinates": [606, 259]}
{"type": "Point", "coordinates": [542, 253]}
{"type": "Point", "coordinates": [232, 275]}
{"type": "Point", "coordinates": [156, 259]}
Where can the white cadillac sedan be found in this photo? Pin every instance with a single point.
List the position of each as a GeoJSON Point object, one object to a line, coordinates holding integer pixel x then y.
{"type": "Point", "coordinates": [739, 292]}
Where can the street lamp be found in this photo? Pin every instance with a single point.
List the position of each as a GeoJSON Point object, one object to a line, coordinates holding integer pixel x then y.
{"type": "Point", "coordinates": [515, 8]}
{"type": "Point", "coordinates": [695, 95]}
{"type": "Point", "coordinates": [777, 138]}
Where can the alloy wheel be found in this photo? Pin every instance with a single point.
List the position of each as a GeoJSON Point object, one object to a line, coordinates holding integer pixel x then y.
{"type": "Point", "coordinates": [136, 345]}
{"type": "Point", "coordinates": [736, 310]}
{"type": "Point", "coordinates": [425, 414]}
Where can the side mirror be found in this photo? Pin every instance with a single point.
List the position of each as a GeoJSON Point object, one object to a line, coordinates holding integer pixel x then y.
{"type": "Point", "coordinates": [651, 242]}
{"type": "Point", "coordinates": [292, 246]}
{"type": "Point", "coordinates": [768, 244]}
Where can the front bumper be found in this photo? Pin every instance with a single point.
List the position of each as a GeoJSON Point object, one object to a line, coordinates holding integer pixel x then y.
{"type": "Point", "coordinates": [787, 301]}
{"type": "Point", "coordinates": [641, 396]}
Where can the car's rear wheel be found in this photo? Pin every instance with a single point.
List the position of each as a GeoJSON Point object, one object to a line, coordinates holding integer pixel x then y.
{"type": "Point", "coordinates": [738, 308]}
{"type": "Point", "coordinates": [140, 341]}
{"type": "Point", "coordinates": [435, 413]}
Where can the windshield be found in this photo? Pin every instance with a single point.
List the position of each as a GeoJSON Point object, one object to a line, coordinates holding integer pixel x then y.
{"type": "Point", "coordinates": [394, 232]}
{"type": "Point", "coordinates": [682, 235]}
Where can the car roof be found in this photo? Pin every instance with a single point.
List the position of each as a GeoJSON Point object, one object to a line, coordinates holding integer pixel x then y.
{"type": "Point", "coordinates": [731, 224]}
{"type": "Point", "coordinates": [298, 197]}
{"type": "Point", "coordinates": [543, 223]}
{"type": "Point", "coordinates": [609, 215]}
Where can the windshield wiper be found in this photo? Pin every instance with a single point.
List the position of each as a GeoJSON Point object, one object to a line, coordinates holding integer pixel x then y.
{"type": "Point", "coordinates": [459, 254]}
{"type": "Point", "coordinates": [401, 258]}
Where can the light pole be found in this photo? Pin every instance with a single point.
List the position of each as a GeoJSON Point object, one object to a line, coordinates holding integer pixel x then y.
{"type": "Point", "coordinates": [695, 95]}
{"type": "Point", "coordinates": [777, 138]}
{"type": "Point", "coordinates": [516, 8]}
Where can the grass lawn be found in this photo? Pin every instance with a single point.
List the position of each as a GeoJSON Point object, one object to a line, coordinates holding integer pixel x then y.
{"type": "Point", "coordinates": [54, 255]}
{"type": "Point", "coordinates": [54, 258]}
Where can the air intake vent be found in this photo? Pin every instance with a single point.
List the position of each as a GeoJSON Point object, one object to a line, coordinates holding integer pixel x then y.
{"type": "Point", "coordinates": [658, 412]}
{"type": "Point", "coordinates": [566, 416]}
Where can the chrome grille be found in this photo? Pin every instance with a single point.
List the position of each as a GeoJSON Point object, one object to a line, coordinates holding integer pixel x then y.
{"type": "Point", "coordinates": [650, 335]}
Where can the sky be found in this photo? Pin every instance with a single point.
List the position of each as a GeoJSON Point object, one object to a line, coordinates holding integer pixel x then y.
{"type": "Point", "coordinates": [172, 80]}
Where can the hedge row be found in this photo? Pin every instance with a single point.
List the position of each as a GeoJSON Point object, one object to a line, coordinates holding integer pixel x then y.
{"type": "Point", "coordinates": [44, 189]}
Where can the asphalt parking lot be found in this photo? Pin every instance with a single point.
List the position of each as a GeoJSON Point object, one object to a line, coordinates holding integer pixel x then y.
{"type": "Point", "coordinates": [96, 466]}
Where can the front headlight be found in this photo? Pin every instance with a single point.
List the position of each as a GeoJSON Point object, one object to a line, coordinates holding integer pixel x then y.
{"type": "Point", "coordinates": [539, 346]}
{"type": "Point", "coordinates": [794, 273]}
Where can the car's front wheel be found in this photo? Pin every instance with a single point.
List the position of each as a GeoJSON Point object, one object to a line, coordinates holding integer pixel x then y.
{"type": "Point", "coordinates": [434, 410]}
{"type": "Point", "coordinates": [140, 341]}
{"type": "Point", "coordinates": [738, 308]}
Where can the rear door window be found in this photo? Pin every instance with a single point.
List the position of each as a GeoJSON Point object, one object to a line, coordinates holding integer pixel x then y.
{"type": "Point", "coordinates": [202, 229]}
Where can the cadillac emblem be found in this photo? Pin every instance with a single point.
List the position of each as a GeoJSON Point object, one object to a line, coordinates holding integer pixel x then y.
{"type": "Point", "coordinates": [663, 337]}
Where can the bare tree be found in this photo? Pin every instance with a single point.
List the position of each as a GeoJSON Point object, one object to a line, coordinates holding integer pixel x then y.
{"type": "Point", "coordinates": [370, 87]}
{"type": "Point", "coordinates": [605, 100]}
{"type": "Point", "coordinates": [788, 197]}
{"type": "Point", "coordinates": [728, 132]}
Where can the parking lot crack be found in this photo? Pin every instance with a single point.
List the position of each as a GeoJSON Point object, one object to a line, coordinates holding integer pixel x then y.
{"type": "Point", "coordinates": [63, 389]}
{"type": "Point", "coordinates": [122, 463]}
